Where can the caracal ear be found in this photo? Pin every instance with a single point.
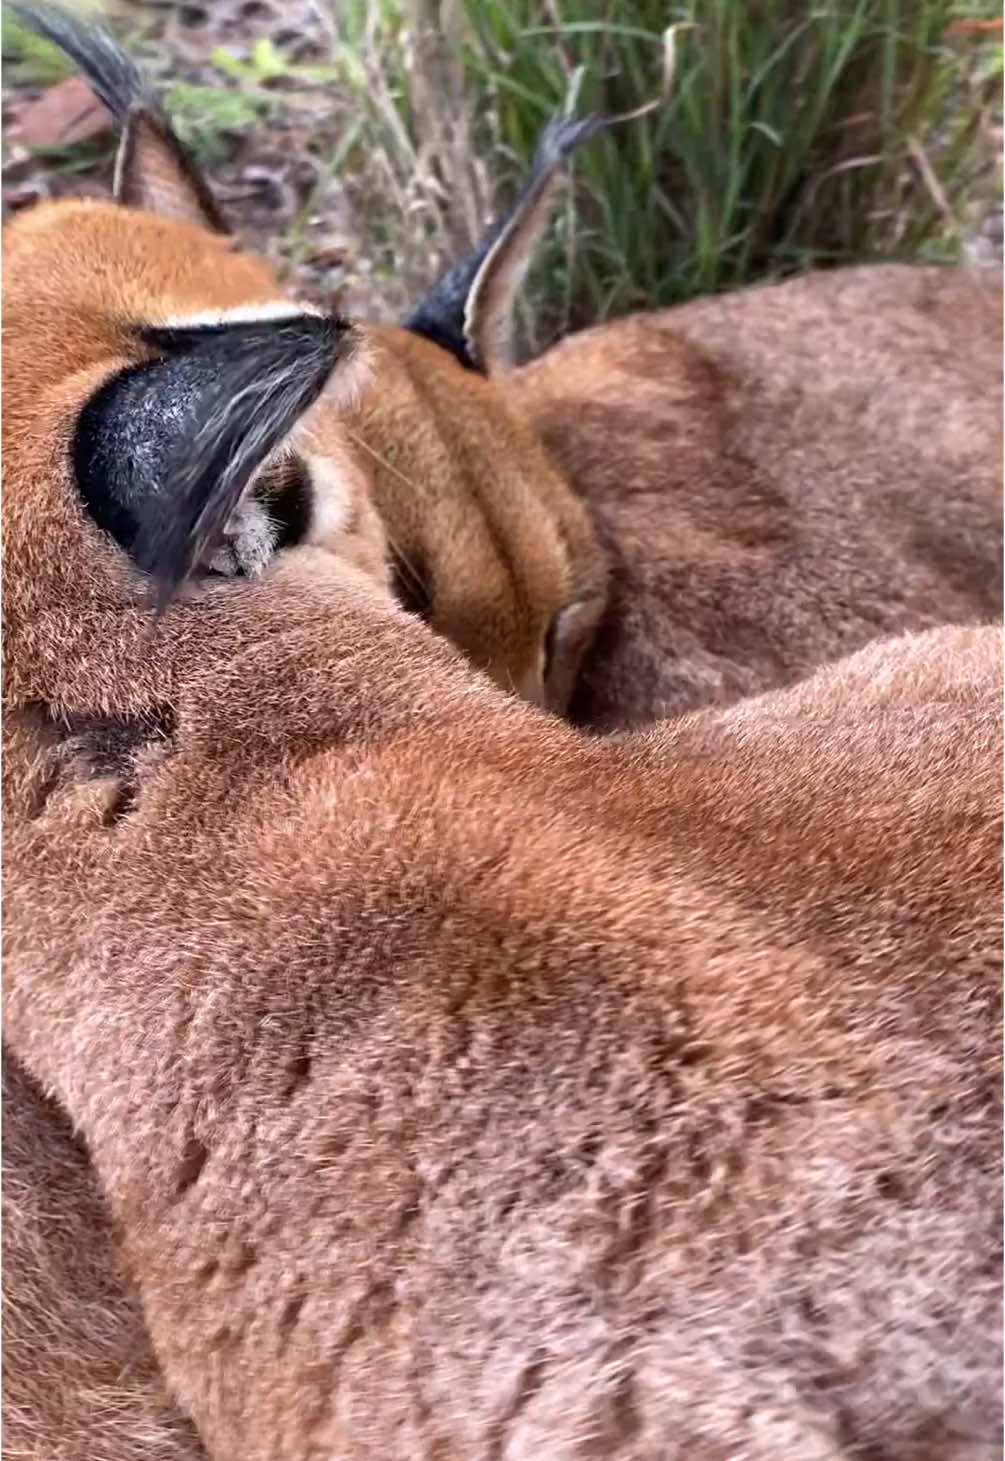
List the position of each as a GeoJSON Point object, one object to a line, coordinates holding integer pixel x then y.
{"type": "Point", "coordinates": [470, 311]}
{"type": "Point", "coordinates": [165, 450]}
{"type": "Point", "coordinates": [153, 171]}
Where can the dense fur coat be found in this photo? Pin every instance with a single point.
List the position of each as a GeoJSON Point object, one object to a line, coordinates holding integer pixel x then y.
{"type": "Point", "coordinates": [461, 1087]}
{"type": "Point", "coordinates": [535, 1095]}
{"type": "Point", "coordinates": [778, 476]}
{"type": "Point", "coordinates": [80, 1379]}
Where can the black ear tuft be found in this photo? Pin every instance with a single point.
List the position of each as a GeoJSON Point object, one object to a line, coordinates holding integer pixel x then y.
{"type": "Point", "coordinates": [153, 170]}
{"type": "Point", "coordinates": [443, 316]}
{"type": "Point", "coordinates": [108, 71]}
{"type": "Point", "coordinates": [164, 452]}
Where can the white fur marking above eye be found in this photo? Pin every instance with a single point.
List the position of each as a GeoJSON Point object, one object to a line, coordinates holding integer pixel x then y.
{"type": "Point", "coordinates": [240, 314]}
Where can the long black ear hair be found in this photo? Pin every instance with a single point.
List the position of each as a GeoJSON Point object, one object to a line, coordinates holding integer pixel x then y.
{"type": "Point", "coordinates": [469, 311]}
{"type": "Point", "coordinates": [152, 171]}
{"type": "Point", "coordinates": [164, 452]}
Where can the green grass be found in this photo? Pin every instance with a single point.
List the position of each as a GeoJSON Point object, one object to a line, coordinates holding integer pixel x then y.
{"type": "Point", "coordinates": [203, 116]}
{"type": "Point", "coordinates": [793, 134]}
{"type": "Point", "coordinates": [34, 61]}
{"type": "Point", "coordinates": [789, 135]}
{"type": "Point", "coordinates": [206, 117]}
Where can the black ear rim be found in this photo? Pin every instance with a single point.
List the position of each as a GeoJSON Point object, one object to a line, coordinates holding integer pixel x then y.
{"type": "Point", "coordinates": [139, 115]}
{"type": "Point", "coordinates": [119, 85]}
{"type": "Point", "coordinates": [440, 316]}
{"type": "Point", "coordinates": [443, 330]}
{"type": "Point", "coordinates": [113, 76]}
{"type": "Point", "coordinates": [163, 485]}
{"type": "Point", "coordinates": [281, 373]}
{"type": "Point", "coordinates": [92, 471]}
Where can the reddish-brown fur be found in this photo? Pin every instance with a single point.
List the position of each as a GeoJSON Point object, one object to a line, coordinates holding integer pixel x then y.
{"type": "Point", "coordinates": [465, 1087]}
{"type": "Point", "coordinates": [778, 476]}
{"type": "Point", "coordinates": [73, 275]}
{"type": "Point", "coordinates": [80, 1379]}
{"type": "Point", "coordinates": [477, 512]}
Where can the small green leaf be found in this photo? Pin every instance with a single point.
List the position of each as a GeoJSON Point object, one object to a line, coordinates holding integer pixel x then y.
{"type": "Point", "coordinates": [269, 62]}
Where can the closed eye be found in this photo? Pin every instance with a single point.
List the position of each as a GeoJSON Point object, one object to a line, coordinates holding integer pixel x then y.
{"type": "Point", "coordinates": [551, 644]}
{"type": "Point", "coordinates": [410, 585]}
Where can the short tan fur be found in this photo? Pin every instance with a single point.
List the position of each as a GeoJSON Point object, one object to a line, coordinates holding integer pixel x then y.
{"type": "Point", "coordinates": [404, 1024]}
{"type": "Point", "coordinates": [488, 542]}
{"type": "Point", "coordinates": [777, 476]}
{"type": "Point", "coordinates": [764, 481]}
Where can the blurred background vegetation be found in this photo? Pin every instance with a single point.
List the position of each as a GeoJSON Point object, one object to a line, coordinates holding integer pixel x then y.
{"type": "Point", "coordinates": [777, 135]}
